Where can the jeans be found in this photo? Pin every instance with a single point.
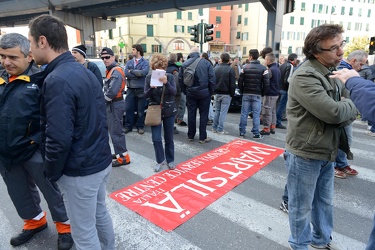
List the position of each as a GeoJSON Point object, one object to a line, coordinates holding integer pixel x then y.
{"type": "Point", "coordinates": [310, 193]}
{"type": "Point", "coordinates": [286, 158]}
{"type": "Point", "coordinates": [371, 241]}
{"type": "Point", "coordinates": [134, 103]}
{"type": "Point", "coordinates": [222, 103]}
{"type": "Point", "coordinates": [168, 124]}
{"type": "Point", "coordinates": [250, 103]}
{"type": "Point", "coordinates": [211, 112]}
{"type": "Point", "coordinates": [341, 161]}
{"type": "Point", "coordinates": [90, 222]}
{"type": "Point", "coordinates": [203, 105]}
{"type": "Point", "coordinates": [115, 116]}
{"type": "Point", "coordinates": [282, 105]}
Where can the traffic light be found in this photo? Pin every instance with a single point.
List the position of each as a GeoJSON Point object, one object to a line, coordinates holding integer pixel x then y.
{"type": "Point", "coordinates": [208, 32]}
{"type": "Point", "coordinates": [194, 30]}
{"type": "Point", "coordinates": [372, 46]}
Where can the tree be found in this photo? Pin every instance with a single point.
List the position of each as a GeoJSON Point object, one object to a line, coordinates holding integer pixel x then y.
{"type": "Point", "coordinates": [358, 43]}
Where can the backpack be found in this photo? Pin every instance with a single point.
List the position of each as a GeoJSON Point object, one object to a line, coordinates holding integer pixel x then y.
{"type": "Point", "coordinates": [189, 73]}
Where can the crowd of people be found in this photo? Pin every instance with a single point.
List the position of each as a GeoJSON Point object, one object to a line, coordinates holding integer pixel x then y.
{"type": "Point", "coordinates": [65, 151]}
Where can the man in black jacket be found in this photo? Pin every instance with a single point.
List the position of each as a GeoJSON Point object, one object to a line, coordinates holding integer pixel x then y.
{"type": "Point", "coordinates": [286, 70]}
{"type": "Point", "coordinates": [21, 162]}
{"type": "Point", "coordinates": [253, 84]}
{"type": "Point", "coordinates": [224, 91]}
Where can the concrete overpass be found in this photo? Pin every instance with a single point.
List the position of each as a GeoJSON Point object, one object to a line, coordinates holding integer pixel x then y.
{"type": "Point", "coordinates": [90, 16]}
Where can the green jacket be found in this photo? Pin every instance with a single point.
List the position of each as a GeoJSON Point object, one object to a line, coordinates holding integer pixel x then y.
{"type": "Point", "coordinates": [316, 114]}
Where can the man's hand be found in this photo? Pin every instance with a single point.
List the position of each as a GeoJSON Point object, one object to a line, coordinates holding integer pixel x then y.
{"type": "Point", "coordinates": [344, 74]}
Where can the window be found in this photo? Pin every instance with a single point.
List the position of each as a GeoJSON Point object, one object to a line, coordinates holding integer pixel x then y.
{"type": "Point", "coordinates": [110, 34]}
{"type": "Point", "coordinates": [368, 13]}
{"type": "Point", "coordinates": [150, 30]}
{"type": "Point", "coordinates": [149, 16]}
{"type": "Point", "coordinates": [190, 16]}
{"type": "Point", "coordinates": [239, 19]}
{"type": "Point", "coordinates": [119, 31]}
{"type": "Point", "coordinates": [342, 10]}
{"type": "Point", "coordinates": [302, 21]}
{"type": "Point", "coordinates": [179, 29]}
{"type": "Point", "coordinates": [245, 21]}
{"type": "Point", "coordinates": [292, 20]}
{"type": "Point", "coordinates": [351, 11]}
{"type": "Point", "coordinates": [240, 6]}
{"type": "Point", "coordinates": [238, 36]}
{"type": "Point", "coordinates": [200, 12]}
{"type": "Point", "coordinates": [156, 48]}
{"type": "Point", "coordinates": [313, 8]}
{"type": "Point", "coordinates": [161, 15]}
{"type": "Point", "coordinates": [245, 36]}
{"type": "Point", "coordinates": [178, 45]}
{"type": "Point", "coordinates": [290, 50]}
{"type": "Point", "coordinates": [367, 27]}
{"type": "Point", "coordinates": [218, 19]}
{"type": "Point", "coordinates": [218, 34]}
{"type": "Point", "coordinates": [246, 7]}
{"type": "Point", "coordinates": [144, 47]}
{"type": "Point", "coordinates": [358, 27]}
{"type": "Point", "coordinates": [244, 51]}
{"type": "Point", "coordinates": [218, 8]}
{"type": "Point", "coordinates": [320, 8]}
{"type": "Point", "coordinates": [178, 15]}
{"type": "Point", "coordinates": [349, 26]}
{"type": "Point", "coordinates": [303, 6]}
{"type": "Point", "coordinates": [360, 12]}
{"type": "Point", "coordinates": [333, 9]}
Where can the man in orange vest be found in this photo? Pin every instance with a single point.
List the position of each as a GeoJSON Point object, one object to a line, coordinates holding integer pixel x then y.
{"type": "Point", "coordinates": [114, 86]}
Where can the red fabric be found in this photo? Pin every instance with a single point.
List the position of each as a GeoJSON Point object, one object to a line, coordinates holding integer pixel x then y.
{"type": "Point", "coordinates": [171, 197]}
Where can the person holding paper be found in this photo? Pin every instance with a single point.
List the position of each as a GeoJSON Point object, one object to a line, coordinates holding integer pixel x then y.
{"type": "Point", "coordinates": [162, 94]}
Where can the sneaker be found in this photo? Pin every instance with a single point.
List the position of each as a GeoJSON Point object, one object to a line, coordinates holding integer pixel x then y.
{"type": "Point", "coordinates": [159, 166]}
{"type": "Point", "coordinates": [191, 139]}
{"type": "Point", "coordinates": [242, 135]}
{"type": "Point", "coordinates": [258, 136]}
{"type": "Point", "coordinates": [26, 235]}
{"type": "Point", "coordinates": [214, 130]}
{"type": "Point", "coordinates": [339, 174]}
{"type": "Point", "coordinates": [208, 139]}
{"type": "Point", "coordinates": [264, 132]}
{"type": "Point", "coordinates": [272, 131]}
{"type": "Point", "coordinates": [64, 241]}
{"type": "Point", "coordinates": [181, 123]}
{"type": "Point", "coordinates": [141, 131]}
{"type": "Point", "coordinates": [280, 126]}
{"type": "Point", "coordinates": [127, 130]}
{"type": "Point", "coordinates": [348, 170]}
{"type": "Point", "coordinates": [171, 165]}
{"type": "Point", "coordinates": [223, 132]}
{"type": "Point", "coordinates": [284, 206]}
{"type": "Point", "coordinates": [369, 127]}
{"type": "Point", "coordinates": [370, 133]}
{"type": "Point", "coordinates": [330, 246]}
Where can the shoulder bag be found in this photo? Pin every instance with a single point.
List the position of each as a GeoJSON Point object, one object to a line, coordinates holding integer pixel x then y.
{"type": "Point", "coordinates": [153, 114]}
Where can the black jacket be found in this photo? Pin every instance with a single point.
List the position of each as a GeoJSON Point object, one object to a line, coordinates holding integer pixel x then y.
{"type": "Point", "coordinates": [19, 117]}
{"type": "Point", "coordinates": [173, 69]}
{"type": "Point", "coordinates": [274, 88]}
{"type": "Point", "coordinates": [254, 79]}
{"type": "Point", "coordinates": [73, 120]}
{"type": "Point", "coordinates": [284, 74]}
{"type": "Point", "coordinates": [225, 79]}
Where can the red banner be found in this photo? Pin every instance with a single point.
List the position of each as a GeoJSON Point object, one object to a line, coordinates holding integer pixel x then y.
{"type": "Point", "coordinates": [171, 197]}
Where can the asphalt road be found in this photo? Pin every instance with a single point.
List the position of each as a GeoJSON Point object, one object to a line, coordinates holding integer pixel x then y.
{"type": "Point", "coordinates": [248, 217]}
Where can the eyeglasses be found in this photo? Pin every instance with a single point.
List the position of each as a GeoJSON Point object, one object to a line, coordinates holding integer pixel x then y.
{"type": "Point", "coordinates": [335, 48]}
{"type": "Point", "coordinates": [106, 57]}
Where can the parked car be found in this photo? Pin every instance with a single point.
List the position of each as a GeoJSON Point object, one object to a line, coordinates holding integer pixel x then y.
{"type": "Point", "coordinates": [100, 64]}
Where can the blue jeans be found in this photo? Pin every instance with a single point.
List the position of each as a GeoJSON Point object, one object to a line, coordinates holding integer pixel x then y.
{"type": "Point", "coordinates": [341, 160]}
{"type": "Point", "coordinates": [310, 194]}
{"type": "Point", "coordinates": [181, 108]}
{"type": "Point", "coordinates": [282, 105]}
{"type": "Point", "coordinates": [134, 102]}
{"type": "Point", "coordinates": [222, 103]}
{"type": "Point", "coordinates": [203, 105]}
{"type": "Point", "coordinates": [286, 158]}
{"type": "Point", "coordinates": [90, 222]}
{"type": "Point", "coordinates": [371, 241]}
{"type": "Point", "coordinates": [168, 124]}
{"type": "Point", "coordinates": [250, 103]}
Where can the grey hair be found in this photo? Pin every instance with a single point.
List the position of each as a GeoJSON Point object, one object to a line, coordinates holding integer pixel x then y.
{"type": "Point", "coordinates": [357, 54]}
{"type": "Point", "coordinates": [12, 40]}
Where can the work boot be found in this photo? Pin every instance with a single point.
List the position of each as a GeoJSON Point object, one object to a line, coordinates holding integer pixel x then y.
{"type": "Point", "coordinates": [26, 235]}
{"type": "Point", "coordinates": [123, 159]}
{"type": "Point", "coordinates": [64, 241]}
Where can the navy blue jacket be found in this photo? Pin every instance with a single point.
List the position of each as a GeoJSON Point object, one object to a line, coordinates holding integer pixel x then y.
{"type": "Point", "coordinates": [19, 118]}
{"type": "Point", "coordinates": [136, 73]}
{"type": "Point", "coordinates": [204, 78]}
{"type": "Point", "coordinates": [73, 120]}
{"type": "Point", "coordinates": [274, 88]}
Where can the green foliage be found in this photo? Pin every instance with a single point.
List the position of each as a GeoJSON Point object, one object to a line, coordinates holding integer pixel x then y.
{"type": "Point", "coordinates": [358, 43]}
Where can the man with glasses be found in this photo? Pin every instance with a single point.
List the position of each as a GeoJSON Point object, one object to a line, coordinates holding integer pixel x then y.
{"type": "Point", "coordinates": [114, 86]}
{"type": "Point", "coordinates": [317, 114]}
